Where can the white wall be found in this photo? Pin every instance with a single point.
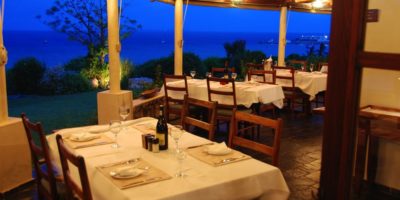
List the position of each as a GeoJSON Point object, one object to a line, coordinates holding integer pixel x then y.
{"type": "Point", "coordinates": [382, 87]}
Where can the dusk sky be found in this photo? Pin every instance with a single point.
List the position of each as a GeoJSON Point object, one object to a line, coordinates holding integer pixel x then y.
{"type": "Point", "coordinates": [21, 15]}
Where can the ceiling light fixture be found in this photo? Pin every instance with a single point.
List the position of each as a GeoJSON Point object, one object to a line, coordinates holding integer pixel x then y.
{"type": "Point", "coordinates": [317, 4]}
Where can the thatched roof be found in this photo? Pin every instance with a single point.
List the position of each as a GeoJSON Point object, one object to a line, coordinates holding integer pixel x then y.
{"type": "Point", "coordinates": [296, 5]}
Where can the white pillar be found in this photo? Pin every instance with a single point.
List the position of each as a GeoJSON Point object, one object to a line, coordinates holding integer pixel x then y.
{"type": "Point", "coordinates": [282, 37]}
{"type": "Point", "coordinates": [178, 56]}
{"type": "Point", "coordinates": [3, 87]}
{"type": "Point", "coordinates": [108, 102]}
{"type": "Point", "coordinates": [114, 46]}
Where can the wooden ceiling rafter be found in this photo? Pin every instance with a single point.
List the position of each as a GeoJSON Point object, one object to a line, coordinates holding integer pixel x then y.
{"type": "Point", "coordinates": [295, 5]}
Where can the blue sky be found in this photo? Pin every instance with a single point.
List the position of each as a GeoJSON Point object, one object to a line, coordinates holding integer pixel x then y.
{"type": "Point", "coordinates": [21, 15]}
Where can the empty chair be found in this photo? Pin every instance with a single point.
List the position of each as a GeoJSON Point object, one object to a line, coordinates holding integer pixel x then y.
{"type": "Point", "coordinates": [298, 64]}
{"type": "Point", "coordinates": [173, 105]}
{"type": "Point", "coordinates": [226, 98]}
{"type": "Point", "coordinates": [292, 93]}
{"type": "Point", "coordinates": [189, 120]}
{"type": "Point", "coordinates": [263, 74]}
{"type": "Point", "coordinates": [235, 138]}
{"type": "Point", "coordinates": [47, 178]}
{"type": "Point", "coordinates": [72, 188]}
{"type": "Point", "coordinates": [220, 70]}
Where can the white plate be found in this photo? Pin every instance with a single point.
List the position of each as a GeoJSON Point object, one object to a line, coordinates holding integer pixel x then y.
{"type": "Point", "coordinates": [129, 173]}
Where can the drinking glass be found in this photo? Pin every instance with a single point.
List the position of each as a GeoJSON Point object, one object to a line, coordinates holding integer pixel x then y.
{"type": "Point", "coordinates": [124, 112]}
{"type": "Point", "coordinates": [180, 156]}
{"type": "Point", "coordinates": [192, 73]}
{"type": "Point", "coordinates": [176, 134]}
{"type": "Point", "coordinates": [208, 74]}
{"type": "Point", "coordinates": [234, 75]}
{"type": "Point", "coordinates": [115, 128]}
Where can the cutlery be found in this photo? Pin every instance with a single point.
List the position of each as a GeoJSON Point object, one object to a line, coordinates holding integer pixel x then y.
{"type": "Point", "coordinates": [90, 145]}
{"type": "Point", "coordinates": [227, 160]}
{"type": "Point", "coordinates": [192, 147]}
{"type": "Point", "coordinates": [141, 181]}
{"type": "Point", "coordinates": [121, 162]}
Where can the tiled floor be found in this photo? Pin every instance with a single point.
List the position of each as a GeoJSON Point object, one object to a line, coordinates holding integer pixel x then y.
{"type": "Point", "coordinates": [300, 158]}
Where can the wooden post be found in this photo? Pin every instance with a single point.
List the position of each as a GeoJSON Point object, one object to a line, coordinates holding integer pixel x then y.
{"type": "Point", "coordinates": [282, 36]}
{"type": "Point", "coordinates": [178, 56]}
{"type": "Point", "coordinates": [3, 86]}
{"type": "Point", "coordinates": [114, 46]}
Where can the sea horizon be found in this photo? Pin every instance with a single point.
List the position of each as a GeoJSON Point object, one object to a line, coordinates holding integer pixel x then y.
{"type": "Point", "coordinates": [55, 49]}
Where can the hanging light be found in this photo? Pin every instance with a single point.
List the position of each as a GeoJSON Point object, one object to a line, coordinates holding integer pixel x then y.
{"type": "Point", "coordinates": [317, 4]}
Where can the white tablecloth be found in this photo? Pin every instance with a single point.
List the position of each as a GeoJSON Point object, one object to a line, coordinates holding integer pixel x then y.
{"type": "Point", "coordinates": [246, 93]}
{"type": "Point", "coordinates": [246, 179]}
{"type": "Point", "coordinates": [309, 83]}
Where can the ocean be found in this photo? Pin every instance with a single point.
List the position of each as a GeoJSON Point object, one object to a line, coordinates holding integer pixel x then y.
{"type": "Point", "coordinates": [54, 49]}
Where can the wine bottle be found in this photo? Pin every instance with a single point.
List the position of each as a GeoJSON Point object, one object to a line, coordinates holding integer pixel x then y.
{"type": "Point", "coordinates": [162, 130]}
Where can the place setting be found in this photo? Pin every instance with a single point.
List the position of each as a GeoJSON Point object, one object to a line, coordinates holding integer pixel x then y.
{"type": "Point", "coordinates": [133, 172]}
{"type": "Point", "coordinates": [216, 154]}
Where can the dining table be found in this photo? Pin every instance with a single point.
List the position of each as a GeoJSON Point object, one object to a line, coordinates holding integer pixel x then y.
{"type": "Point", "coordinates": [229, 178]}
{"type": "Point", "coordinates": [310, 83]}
{"type": "Point", "coordinates": [247, 93]}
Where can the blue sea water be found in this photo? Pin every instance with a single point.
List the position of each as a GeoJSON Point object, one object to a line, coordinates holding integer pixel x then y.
{"type": "Point", "coordinates": [55, 49]}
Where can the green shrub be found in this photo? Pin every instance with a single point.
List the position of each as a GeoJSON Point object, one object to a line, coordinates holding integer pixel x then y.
{"type": "Point", "coordinates": [77, 64]}
{"type": "Point", "coordinates": [254, 56]}
{"type": "Point", "coordinates": [212, 62]}
{"type": "Point", "coordinates": [190, 62]}
{"type": "Point", "coordinates": [26, 74]}
{"type": "Point", "coordinates": [58, 81]}
{"type": "Point", "coordinates": [126, 73]}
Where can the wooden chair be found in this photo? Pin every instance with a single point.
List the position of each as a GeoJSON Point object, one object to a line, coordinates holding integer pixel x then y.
{"type": "Point", "coordinates": [188, 120]}
{"type": "Point", "coordinates": [224, 111]}
{"type": "Point", "coordinates": [254, 66]}
{"type": "Point", "coordinates": [174, 105]}
{"type": "Point", "coordinates": [298, 64]}
{"type": "Point", "coordinates": [236, 140]}
{"type": "Point", "coordinates": [47, 178]}
{"type": "Point", "coordinates": [292, 93]}
{"type": "Point", "coordinates": [263, 74]}
{"type": "Point", "coordinates": [220, 70]}
{"type": "Point", "coordinates": [72, 188]}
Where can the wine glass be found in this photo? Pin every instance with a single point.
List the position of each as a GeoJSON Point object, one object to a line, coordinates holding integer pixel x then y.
{"type": "Point", "coordinates": [124, 112]}
{"type": "Point", "coordinates": [176, 134]}
{"type": "Point", "coordinates": [311, 67]}
{"type": "Point", "coordinates": [192, 74]}
{"type": "Point", "coordinates": [180, 156]}
{"type": "Point", "coordinates": [234, 75]}
{"type": "Point", "coordinates": [208, 74]}
{"type": "Point", "coordinates": [115, 128]}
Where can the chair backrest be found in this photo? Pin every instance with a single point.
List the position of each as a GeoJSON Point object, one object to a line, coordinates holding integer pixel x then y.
{"type": "Point", "coordinates": [254, 66]}
{"type": "Point", "coordinates": [320, 64]}
{"type": "Point", "coordinates": [188, 120]}
{"type": "Point", "coordinates": [167, 87]}
{"type": "Point", "coordinates": [72, 188]}
{"type": "Point", "coordinates": [262, 73]}
{"type": "Point", "coordinates": [290, 78]}
{"type": "Point", "coordinates": [220, 70]}
{"type": "Point", "coordinates": [218, 92]}
{"type": "Point", "coordinates": [236, 140]}
{"type": "Point", "coordinates": [41, 157]}
{"type": "Point", "coordinates": [297, 64]}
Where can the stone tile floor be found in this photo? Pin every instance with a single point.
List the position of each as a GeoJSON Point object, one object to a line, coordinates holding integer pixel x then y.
{"type": "Point", "coordinates": [300, 158]}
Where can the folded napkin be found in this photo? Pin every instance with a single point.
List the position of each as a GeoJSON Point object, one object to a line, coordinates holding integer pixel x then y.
{"type": "Point", "coordinates": [83, 137]}
{"type": "Point", "coordinates": [99, 129]}
{"type": "Point", "coordinates": [126, 171]}
{"type": "Point", "coordinates": [218, 149]}
{"type": "Point", "coordinates": [324, 69]}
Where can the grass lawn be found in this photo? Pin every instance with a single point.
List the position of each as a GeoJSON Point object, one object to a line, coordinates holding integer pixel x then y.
{"type": "Point", "coordinates": [57, 112]}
